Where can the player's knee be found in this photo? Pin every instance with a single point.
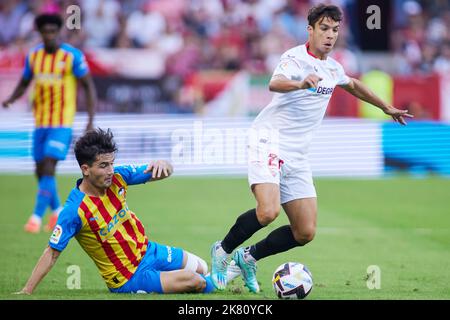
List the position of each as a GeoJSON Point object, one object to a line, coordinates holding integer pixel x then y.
{"type": "Point", "coordinates": [304, 235]}
{"type": "Point", "coordinates": [202, 266]}
{"type": "Point", "coordinates": [48, 167]}
{"type": "Point", "coordinates": [195, 263]}
{"type": "Point", "coordinates": [49, 172]}
{"type": "Point", "coordinates": [267, 213]}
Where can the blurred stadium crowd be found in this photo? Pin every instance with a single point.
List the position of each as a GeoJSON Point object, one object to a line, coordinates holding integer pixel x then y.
{"type": "Point", "coordinates": [214, 58]}
{"type": "Point", "coordinates": [232, 34]}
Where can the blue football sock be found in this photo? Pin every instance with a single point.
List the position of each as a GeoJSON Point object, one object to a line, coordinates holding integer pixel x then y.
{"type": "Point", "coordinates": [47, 187]}
{"type": "Point", "coordinates": [55, 203]}
{"type": "Point", "coordinates": [209, 285]}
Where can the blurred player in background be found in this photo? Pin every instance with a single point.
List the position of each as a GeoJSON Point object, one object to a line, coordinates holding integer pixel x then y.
{"type": "Point", "coordinates": [97, 215]}
{"type": "Point", "coordinates": [55, 68]}
{"type": "Point", "coordinates": [279, 172]}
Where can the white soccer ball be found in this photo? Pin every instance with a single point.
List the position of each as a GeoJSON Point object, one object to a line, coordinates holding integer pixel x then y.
{"type": "Point", "coordinates": [292, 280]}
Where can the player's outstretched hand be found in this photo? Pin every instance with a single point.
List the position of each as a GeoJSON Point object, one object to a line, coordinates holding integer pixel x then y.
{"type": "Point", "coordinates": [311, 81]}
{"type": "Point", "coordinates": [160, 169]}
{"type": "Point", "coordinates": [398, 115]}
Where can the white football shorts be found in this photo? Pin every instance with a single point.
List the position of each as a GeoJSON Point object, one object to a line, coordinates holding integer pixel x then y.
{"type": "Point", "coordinates": [265, 166]}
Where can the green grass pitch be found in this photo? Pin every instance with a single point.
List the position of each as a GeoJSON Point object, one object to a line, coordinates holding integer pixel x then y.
{"type": "Point", "coordinates": [401, 225]}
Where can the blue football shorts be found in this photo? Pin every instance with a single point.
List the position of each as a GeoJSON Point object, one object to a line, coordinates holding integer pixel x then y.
{"type": "Point", "coordinates": [147, 277]}
{"type": "Point", "coordinates": [51, 143]}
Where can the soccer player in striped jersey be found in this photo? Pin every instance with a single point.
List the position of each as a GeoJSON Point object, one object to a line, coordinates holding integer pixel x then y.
{"type": "Point", "coordinates": [55, 68]}
{"type": "Point", "coordinates": [97, 215]}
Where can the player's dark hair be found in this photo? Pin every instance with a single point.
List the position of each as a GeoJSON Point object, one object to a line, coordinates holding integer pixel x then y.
{"type": "Point", "coordinates": [321, 11]}
{"type": "Point", "coordinates": [92, 144]}
{"type": "Point", "coordinates": [48, 18]}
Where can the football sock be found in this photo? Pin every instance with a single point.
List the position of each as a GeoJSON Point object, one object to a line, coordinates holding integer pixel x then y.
{"type": "Point", "coordinates": [209, 285]}
{"type": "Point", "coordinates": [279, 240]}
{"type": "Point", "coordinates": [245, 226]}
{"type": "Point", "coordinates": [46, 189]}
{"type": "Point", "coordinates": [55, 203]}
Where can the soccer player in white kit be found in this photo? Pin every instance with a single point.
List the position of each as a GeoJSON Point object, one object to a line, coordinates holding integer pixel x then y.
{"type": "Point", "coordinates": [279, 172]}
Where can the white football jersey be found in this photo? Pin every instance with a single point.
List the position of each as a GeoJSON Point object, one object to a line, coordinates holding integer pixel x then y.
{"type": "Point", "coordinates": [294, 115]}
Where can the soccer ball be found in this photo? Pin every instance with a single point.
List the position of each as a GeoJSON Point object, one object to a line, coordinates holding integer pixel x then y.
{"type": "Point", "coordinates": [292, 280]}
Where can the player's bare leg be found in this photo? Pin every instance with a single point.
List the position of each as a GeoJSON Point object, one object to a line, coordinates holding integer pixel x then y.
{"type": "Point", "coordinates": [39, 170]}
{"type": "Point", "coordinates": [182, 281]}
{"type": "Point", "coordinates": [194, 263]}
{"type": "Point", "coordinates": [302, 214]}
{"type": "Point", "coordinates": [267, 197]}
{"type": "Point", "coordinates": [192, 277]}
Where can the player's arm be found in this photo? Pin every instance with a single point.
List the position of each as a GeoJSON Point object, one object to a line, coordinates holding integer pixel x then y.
{"type": "Point", "coordinates": [89, 88]}
{"type": "Point", "coordinates": [18, 91]}
{"type": "Point", "coordinates": [159, 169]}
{"type": "Point", "coordinates": [155, 170]}
{"type": "Point", "coordinates": [361, 91]}
{"type": "Point", "coordinates": [43, 266]}
{"type": "Point", "coordinates": [280, 83]}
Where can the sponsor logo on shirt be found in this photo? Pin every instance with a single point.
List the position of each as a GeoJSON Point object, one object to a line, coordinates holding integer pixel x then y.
{"type": "Point", "coordinates": [169, 254]}
{"type": "Point", "coordinates": [108, 230]}
{"type": "Point", "coordinates": [321, 90]}
{"type": "Point", "coordinates": [48, 77]}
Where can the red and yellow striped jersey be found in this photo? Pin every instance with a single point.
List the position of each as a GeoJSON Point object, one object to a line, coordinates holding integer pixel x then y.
{"type": "Point", "coordinates": [55, 84]}
{"type": "Point", "coordinates": [107, 230]}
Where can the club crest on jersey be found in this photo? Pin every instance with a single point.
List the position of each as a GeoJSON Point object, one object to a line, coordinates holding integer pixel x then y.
{"type": "Point", "coordinates": [274, 164]}
{"type": "Point", "coordinates": [333, 73]}
{"type": "Point", "coordinates": [284, 66]}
